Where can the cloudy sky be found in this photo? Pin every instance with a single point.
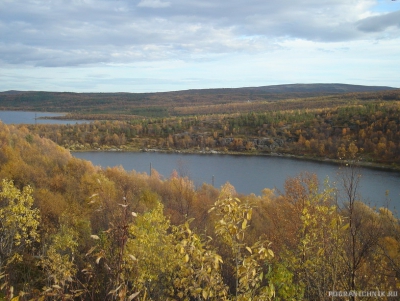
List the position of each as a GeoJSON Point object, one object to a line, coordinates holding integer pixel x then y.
{"type": "Point", "coordinates": [167, 45]}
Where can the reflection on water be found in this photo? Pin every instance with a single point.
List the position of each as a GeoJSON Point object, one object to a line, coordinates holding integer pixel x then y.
{"type": "Point", "coordinates": [249, 174]}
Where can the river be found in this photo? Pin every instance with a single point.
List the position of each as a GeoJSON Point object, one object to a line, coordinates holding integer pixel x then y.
{"type": "Point", "coordinates": [248, 174]}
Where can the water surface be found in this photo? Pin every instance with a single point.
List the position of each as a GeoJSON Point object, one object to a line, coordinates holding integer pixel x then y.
{"type": "Point", "coordinates": [249, 174]}
{"type": "Point", "coordinates": [23, 117]}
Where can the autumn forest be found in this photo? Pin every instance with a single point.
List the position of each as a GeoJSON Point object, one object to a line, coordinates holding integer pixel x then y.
{"type": "Point", "coordinates": [73, 231]}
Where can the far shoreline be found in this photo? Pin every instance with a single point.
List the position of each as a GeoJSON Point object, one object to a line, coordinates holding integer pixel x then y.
{"type": "Point", "coordinates": [369, 165]}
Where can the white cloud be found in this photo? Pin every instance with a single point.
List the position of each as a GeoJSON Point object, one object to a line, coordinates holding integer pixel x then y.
{"type": "Point", "coordinates": [153, 3]}
{"type": "Point", "coordinates": [79, 33]}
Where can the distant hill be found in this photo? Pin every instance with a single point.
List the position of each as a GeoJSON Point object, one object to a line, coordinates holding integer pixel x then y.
{"type": "Point", "coordinates": [320, 88]}
{"type": "Point", "coordinates": [295, 88]}
{"type": "Point", "coordinates": [170, 103]}
{"type": "Point", "coordinates": [287, 88]}
{"type": "Point", "coordinates": [12, 92]}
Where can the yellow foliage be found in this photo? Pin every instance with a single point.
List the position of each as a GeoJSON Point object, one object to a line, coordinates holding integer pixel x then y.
{"type": "Point", "coordinates": [18, 219]}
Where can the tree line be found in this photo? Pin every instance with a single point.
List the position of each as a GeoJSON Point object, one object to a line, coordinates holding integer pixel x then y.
{"type": "Point", "coordinates": [371, 127]}
{"type": "Point", "coordinates": [195, 102]}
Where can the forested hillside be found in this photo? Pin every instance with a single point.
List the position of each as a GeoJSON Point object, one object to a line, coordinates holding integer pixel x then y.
{"type": "Point", "coordinates": [179, 103]}
{"type": "Point", "coordinates": [72, 231]}
{"type": "Point", "coordinates": [316, 121]}
{"type": "Point", "coordinates": [319, 128]}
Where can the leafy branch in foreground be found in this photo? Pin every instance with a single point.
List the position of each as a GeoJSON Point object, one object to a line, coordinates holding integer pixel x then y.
{"type": "Point", "coordinates": [251, 263]}
{"type": "Point", "coordinates": [199, 274]}
{"type": "Point", "coordinates": [113, 271]}
{"type": "Point", "coordinates": [19, 224]}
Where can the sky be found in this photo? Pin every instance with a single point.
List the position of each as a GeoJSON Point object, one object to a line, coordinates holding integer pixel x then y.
{"type": "Point", "coordinates": [169, 45]}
